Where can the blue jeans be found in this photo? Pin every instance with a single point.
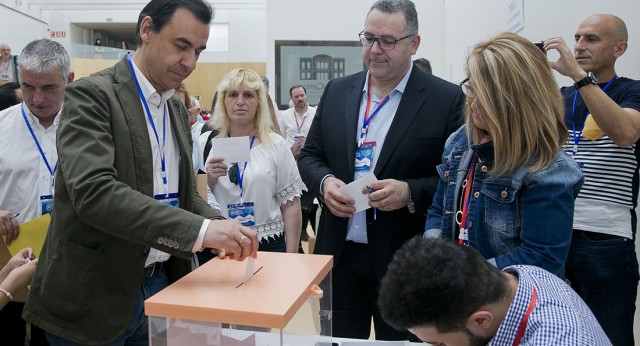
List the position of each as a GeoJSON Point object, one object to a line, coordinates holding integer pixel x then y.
{"type": "Point", "coordinates": [603, 269]}
{"type": "Point", "coordinates": [138, 331]}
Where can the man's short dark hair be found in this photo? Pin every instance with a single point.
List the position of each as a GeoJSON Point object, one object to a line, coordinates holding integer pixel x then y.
{"type": "Point", "coordinates": [296, 87]}
{"type": "Point", "coordinates": [437, 283]}
{"type": "Point", "coordinates": [423, 64]}
{"type": "Point", "coordinates": [8, 96]}
{"type": "Point", "coordinates": [406, 7]}
{"type": "Point", "coordinates": [161, 12]}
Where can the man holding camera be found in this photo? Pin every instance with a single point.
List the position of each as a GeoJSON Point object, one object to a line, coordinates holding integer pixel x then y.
{"type": "Point", "coordinates": [603, 118]}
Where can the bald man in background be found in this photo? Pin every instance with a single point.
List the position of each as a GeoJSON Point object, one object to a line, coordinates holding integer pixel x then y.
{"type": "Point", "coordinates": [603, 118]}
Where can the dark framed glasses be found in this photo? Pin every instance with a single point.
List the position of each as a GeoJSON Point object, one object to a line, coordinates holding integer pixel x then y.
{"type": "Point", "coordinates": [467, 89]}
{"type": "Point", "coordinates": [384, 42]}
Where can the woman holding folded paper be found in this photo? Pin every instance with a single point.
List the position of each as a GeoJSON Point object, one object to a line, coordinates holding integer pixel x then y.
{"type": "Point", "coordinates": [264, 192]}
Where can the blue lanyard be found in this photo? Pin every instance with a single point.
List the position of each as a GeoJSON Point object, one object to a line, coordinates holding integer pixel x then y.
{"type": "Point", "coordinates": [241, 175]}
{"type": "Point", "coordinates": [44, 157]}
{"type": "Point", "coordinates": [578, 134]}
{"type": "Point", "coordinates": [367, 118]}
{"type": "Point", "coordinates": [153, 125]}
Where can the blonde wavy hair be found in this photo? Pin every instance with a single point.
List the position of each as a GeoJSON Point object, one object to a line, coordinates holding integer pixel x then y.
{"type": "Point", "coordinates": [520, 102]}
{"type": "Point", "coordinates": [251, 80]}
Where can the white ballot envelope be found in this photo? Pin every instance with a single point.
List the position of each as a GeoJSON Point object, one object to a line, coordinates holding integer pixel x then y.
{"type": "Point", "coordinates": [354, 190]}
{"type": "Point", "coordinates": [233, 149]}
{"type": "Point", "coordinates": [248, 273]}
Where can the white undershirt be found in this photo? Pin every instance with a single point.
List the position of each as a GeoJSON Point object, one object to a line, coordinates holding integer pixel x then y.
{"type": "Point", "coordinates": [157, 103]}
{"type": "Point", "coordinates": [24, 176]}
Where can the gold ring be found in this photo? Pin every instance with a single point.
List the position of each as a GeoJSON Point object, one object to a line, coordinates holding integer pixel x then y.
{"type": "Point", "coordinates": [241, 239]}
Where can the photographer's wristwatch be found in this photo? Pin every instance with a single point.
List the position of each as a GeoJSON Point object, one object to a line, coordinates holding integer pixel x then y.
{"type": "Point", "coordinates": [589, 79]}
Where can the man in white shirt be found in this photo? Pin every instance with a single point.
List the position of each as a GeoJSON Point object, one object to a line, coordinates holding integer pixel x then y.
{"type": "Point", "coordinates": [297, 120]}
{"type": "Point", "coordinates": [28, 154]}
{"type": "Point", "coordinates": [8, 65]}
{"type": "Point", "coordinates": [295, 123]}
{"type": "Point", "coordinates": [194, 112]}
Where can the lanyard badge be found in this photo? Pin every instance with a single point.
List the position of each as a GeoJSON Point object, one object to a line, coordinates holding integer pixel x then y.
{"type": "Point", "coordinates": [367, 118]}
{"type": "Point", "coordinates": [44, 157]}
{"type": "Point", "coordinates": [163, 167]}
{"type": "Point", "coordinates": [463, 223]}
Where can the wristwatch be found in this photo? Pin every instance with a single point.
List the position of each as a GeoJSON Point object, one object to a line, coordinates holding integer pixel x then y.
{"type": "Point", "coordinates": [410, 205]}
{"type": "Point", "coordinates": [589, 79]}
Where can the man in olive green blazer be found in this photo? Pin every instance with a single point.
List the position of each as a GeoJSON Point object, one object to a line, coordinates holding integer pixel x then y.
{"type": "Point", "coordinates": [91, 279]}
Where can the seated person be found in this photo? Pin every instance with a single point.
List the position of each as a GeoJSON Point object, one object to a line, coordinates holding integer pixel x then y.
{"type": "Point", "coordinates": [448, 294]}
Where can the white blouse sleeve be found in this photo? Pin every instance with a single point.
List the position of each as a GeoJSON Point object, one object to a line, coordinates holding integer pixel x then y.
{"type": "Point", "coordinates": [288, 181]}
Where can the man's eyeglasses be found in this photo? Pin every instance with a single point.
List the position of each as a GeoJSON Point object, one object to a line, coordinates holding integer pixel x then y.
{"type": "Point", "coordinates": [467, 89]}
{"type": "Point", "coordinates": [384, 42]}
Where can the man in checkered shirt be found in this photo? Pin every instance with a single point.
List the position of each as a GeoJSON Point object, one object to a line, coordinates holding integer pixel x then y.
{"type": "Point", "coordinates": [447, 294]}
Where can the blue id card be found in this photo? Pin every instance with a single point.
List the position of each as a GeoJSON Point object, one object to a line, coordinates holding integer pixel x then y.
{"type": "Point", "coordinates": [364, 156]}
{"type": "Point", "coordinates": [242, 212]}
{"type": "Point", "coordinates": [46, 204]}
{"type": "Point", "coordinates": [171, 199]}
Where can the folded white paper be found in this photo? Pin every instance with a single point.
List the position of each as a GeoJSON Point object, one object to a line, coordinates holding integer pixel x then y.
{"type": "Point", "coordinates": [354, 190]}
{"type": "Point", "coordinates": [248, 273]}
{"type": "Point", "coordinates": [233, 149]}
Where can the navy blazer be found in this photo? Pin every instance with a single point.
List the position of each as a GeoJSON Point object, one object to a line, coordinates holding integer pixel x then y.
{"type": "Point", "coordinates": [429, 111]}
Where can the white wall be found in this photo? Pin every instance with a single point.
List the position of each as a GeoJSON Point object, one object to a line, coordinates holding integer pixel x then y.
{"type": "Point", "coordinates": [338, 20]}
{"type": "Point", "coordinates": [450, 28]}
{"type": "Point", "coordinates": [18, 29]}
{"type": "Point", "coordinates": [247, 34]}
{"type": "Point", "coordinates": [468, 22]}
{"type": "Point", "coordinates": [246, 19]}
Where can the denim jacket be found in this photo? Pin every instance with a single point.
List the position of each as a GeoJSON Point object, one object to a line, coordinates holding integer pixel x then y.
{"type": "Point", "coordinates": [521, 218]}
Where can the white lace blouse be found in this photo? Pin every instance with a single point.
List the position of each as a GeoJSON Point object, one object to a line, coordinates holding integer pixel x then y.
{"type": "Point", "coordinates": [270, 180]}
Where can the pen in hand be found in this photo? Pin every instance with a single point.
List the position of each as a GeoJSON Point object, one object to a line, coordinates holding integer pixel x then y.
{"type": "Point", "coordinates": [16, 214]}
{"type": "Point", "coordinates": [375, 210]}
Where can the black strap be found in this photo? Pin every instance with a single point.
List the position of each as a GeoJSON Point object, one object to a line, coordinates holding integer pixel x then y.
{"type": "Point", "coordinates": [207, 146]}
{"type": "Point", "coordinates": [15, 69]}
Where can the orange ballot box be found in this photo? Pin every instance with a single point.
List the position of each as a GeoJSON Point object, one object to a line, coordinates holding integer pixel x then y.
{"type": "Point", "coordinates": [273, 300]}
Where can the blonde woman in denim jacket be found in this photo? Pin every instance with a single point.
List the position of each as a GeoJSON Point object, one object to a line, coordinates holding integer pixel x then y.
{"type": "Point", "coordinates": [506, 187]}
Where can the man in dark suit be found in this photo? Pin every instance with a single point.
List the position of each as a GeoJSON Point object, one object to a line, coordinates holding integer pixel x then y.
{"type": "Point", "coordinates": [126, 217]}
{"type": "Point", "coordinates": [392, 120]}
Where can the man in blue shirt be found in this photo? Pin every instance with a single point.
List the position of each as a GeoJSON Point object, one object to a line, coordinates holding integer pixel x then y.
{"type": "Point", "coordinates": [447, 294]}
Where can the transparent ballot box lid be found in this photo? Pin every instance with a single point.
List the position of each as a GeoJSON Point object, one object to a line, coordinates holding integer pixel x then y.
{"type": "Point", "coordinates": [285, 300]}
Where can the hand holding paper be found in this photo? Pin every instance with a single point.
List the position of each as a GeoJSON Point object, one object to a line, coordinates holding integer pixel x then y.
{"type": "Point", "coordinates": [354, 190]}
{"type": "Point", "coordinates": [32, 235]}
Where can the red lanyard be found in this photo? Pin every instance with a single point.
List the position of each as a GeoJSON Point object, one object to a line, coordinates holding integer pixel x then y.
{"type": "Point", "coordinates": [367, 117]}
{"type": "Point", "coordinates": [295, 116]}
{"type": "Point", "coordinates": [463, 238]}
{"type": "Point", "coordinates": [525, 318]}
